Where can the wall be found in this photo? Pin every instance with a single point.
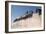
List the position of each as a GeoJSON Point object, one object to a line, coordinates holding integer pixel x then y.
{"type": "Point", "coordinates": [32, 22]}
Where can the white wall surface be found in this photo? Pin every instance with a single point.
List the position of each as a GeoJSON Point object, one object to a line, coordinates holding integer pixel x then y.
{"type": "Point", "coordinates": [32, 22]}
{"type": "Point", "coordinates": [2, 17]}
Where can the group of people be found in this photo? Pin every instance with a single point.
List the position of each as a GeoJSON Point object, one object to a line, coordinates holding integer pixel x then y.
{"type": "Point", "coordinates": [31, 12]}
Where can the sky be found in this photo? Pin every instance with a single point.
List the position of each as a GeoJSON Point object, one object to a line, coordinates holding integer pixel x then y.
{"type": "Point", "coordinates": [17, 11]}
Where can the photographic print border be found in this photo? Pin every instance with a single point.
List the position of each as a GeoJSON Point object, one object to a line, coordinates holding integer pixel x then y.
{"type": "Point", "coordinates": [7, 15]}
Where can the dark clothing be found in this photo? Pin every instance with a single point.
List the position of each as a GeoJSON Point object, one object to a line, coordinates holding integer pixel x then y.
{"type": "Point", "coordinates": [38, 11]}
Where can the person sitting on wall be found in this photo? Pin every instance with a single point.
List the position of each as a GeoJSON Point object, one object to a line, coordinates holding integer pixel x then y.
{"type": "Point", "coordinates": [38, 11]}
